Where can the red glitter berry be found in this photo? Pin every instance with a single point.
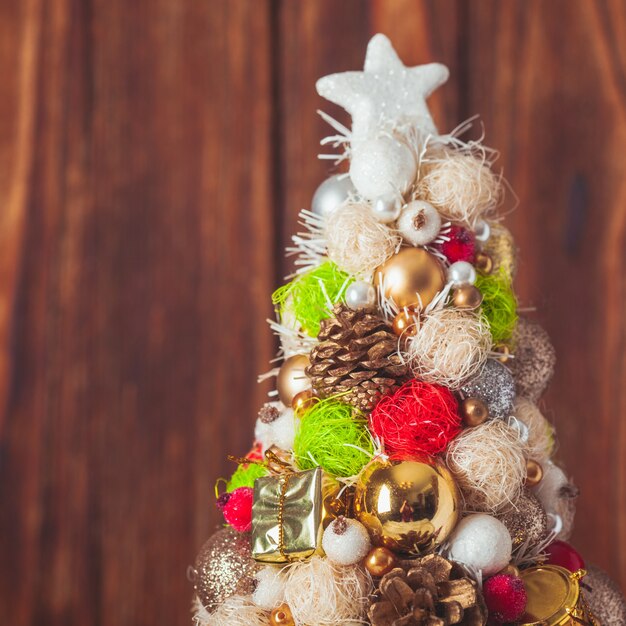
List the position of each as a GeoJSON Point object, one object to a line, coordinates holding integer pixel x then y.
{"type": "Point", "coordinates": [505, 596]}
{"type": "Point", "coordinates": [461, 245]}
{"type": "Point", "coordinates": [236, 507]}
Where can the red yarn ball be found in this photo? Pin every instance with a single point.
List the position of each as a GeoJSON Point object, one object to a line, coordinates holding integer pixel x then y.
{"type": "Point", "coordinates": [505, 597]}
{"type": "Point", "coordinates": [562, 554]}
{"type": "Point", "coordinates": [461, 245]}
{"type": "Point", "coordinates": [416, 420]}
{"type": "Point", "coordinates": [236, 508]}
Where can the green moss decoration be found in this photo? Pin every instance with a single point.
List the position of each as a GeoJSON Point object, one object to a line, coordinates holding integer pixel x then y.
{"type": "Point", "coordinates": [245, 475]}
{"type": "Point", "coordinates": [307, 295]}
{"type": "Point", "coordinates": [334, 436]}
{"type": "Point", "coordinates": [499, 304]}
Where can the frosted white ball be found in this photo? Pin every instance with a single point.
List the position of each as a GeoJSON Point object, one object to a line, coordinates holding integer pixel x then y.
{"type": "Point", "coordinates": [280, 432]}
{"type": "Point", "coordinates": [382, 166]}
{"type": "Point", "coordinates": [462, 273]}
{"type": "Point", "coordinates": [419, 222]}
{"type": "Point", "coordinates": [346, 541]}
{"type": "Point", "coordinates": [270, 588]}
{"type": "Point", "coordinates": [482, 543]}
{"type": "Point", "coordinates": [361, 295]}
{"type": "Point", "coordinates": [333, 192]}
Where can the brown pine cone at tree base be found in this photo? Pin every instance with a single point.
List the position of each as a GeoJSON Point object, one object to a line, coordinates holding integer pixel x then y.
{"type": "Point", "coordinates": [357, 357]}
{"type": "Point", "coordinates": [430, 591]}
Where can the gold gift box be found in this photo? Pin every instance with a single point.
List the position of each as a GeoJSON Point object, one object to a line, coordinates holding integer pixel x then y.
{"type": "Point", "coordinates": [289, 515]}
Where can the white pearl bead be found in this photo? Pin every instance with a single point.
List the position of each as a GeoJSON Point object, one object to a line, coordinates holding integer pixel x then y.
{"type": "Point", "coordinates": [419, 222]}
{"type": "Point", "coordinates": [519, 427]}
{"type": "Point", "coordinates": [361, 295]}
{"type": "Point", "coordinates": [348, 547]}
{"type": "Point", "coordinates": [387, 208]}
{"type": "Point", "coordinates": [462, 273]}
{"type": "Point", "coordinates": [333, 192]}
{"type": "Point", "coordinates": [482, 231]}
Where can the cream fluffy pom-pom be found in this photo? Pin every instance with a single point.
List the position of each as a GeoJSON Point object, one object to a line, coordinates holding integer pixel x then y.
{"type": "Point", "coordinates": [450, 347]}
{"type": "Point", "coordinates": [489, 466]}
{"type": "Point", "coordinates": [279, 432]}
{"type": "Point", "coordinates": [270, 588]}
{"type": "Point", "coordinates": [357, 242]}
{"type": "Point", "coordinates": [540, 444]}
{"type": "Point", "coordinates": [462, 186]}
{"type": "Point", "coordinates": [319, 592]}
{"type": "Point", "coordinates": [234, 611]}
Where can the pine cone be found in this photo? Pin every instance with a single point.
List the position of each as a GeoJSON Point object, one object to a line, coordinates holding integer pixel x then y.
{"type": "Point", "coordinates": [430, 591]}
{"type": "Point", "coordinates": [357, 356]}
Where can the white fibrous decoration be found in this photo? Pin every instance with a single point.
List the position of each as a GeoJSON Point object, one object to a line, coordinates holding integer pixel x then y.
{"type": "Point", "coordinates": [234, 611]}
{"type": "Point", "coordinates": [270, 588]}
{"type": "Point", "coordinates": [280, 431]}
{"type": "Point", "coordinates": [357, 242]}
{"type": "Point", "coordinates": [540, 442]}
{"type": "Point", "coordinates": [320, 592]}
{"type": "Point", "coordinates": [449, 347]}
{"type": "Point", "coordinates": [482, 543]}
{"type": "Point", "coordinates": [489, 466]}
{"type": "Point", "coordinates": [419, 223]}
{"type": "Point", "coordinates": [462, 186]}
{"type": "Point", "coordinates": [558, 496]}
{"type": "Point", "coordinates": [346, 541]}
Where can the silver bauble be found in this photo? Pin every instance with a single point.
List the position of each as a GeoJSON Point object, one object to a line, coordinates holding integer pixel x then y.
{"type": "Point", "coordinates": [361, 295]}
{"type": "Point", "coordinates": [333, 192]}
{"type": "Point", "coordinates": [462, 273]}
{"type": "Point", "coordinates": [495, 387]}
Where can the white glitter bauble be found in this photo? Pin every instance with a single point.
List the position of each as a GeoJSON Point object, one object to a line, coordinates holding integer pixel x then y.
{"type": "Point", "coordinates": [333, 192]}
{"type": "Point", "coordinates": [280, 432]}
{"type": "Point", "coordinates": [382, 166]}
{"type": "Point", "coordinates": [462, 273]}
{"type": "Point", "coordinates": [419, 223]}
{"type": "Point", "coordinates": [361, 295]}
{"type": "Point", "coordinates": [346, 541]}
{"type": "Point", "coordinates": [270, 588]}
{"type": "Point", "coordinates": [481, 542]}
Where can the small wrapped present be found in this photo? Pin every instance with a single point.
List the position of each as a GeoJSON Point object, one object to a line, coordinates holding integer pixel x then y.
{"type": "Point", "coordinates": [289, 515]}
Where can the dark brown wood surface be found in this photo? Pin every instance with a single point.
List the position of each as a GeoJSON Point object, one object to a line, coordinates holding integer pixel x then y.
{"type": "Point", "coordinates": [153, 157]}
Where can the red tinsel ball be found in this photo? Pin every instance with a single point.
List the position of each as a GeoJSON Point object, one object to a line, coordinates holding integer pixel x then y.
{"type": "Point", "coordinates": [236, 508]}
{"type": "Point", "coordinates": [561, 553]}
{"type": "Point", "coordinates": [505, 597]}
{"type": "Point", "coordinates": [461, 245]}
{"type": "Point", "coordinates": [416, 420]}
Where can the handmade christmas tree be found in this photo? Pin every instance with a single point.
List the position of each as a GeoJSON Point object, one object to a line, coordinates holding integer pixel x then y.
{"type": "Point", "coordinates": [402, 471]}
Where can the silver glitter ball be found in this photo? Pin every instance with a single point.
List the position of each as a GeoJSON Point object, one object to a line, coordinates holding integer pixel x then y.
{"type": "Point", "coordinates": [361, 295]}
{"type": "Point", "coordinates": [387, 208]}
{"type": "Point", "coordinates": [462, 273]}
{"type": "Point", "coordinates": [333, 192]}
{"type": "Point", "coordinates": [495, 387]}
{"type": "Point", "coordinates": [604, 597]}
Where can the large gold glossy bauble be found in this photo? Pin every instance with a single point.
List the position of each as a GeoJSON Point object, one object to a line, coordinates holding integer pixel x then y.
{"type": "Point", "coordinates": [411, 277]}
{"type": "Point", "coordinates": [407, 506]}
{"type": "Point", "coordinates": [291, 378]}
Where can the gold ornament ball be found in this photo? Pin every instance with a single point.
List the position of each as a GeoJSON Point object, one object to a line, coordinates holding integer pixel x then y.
{"type": "Point", "coordinates": [483, 263]}
{"type": "Point", "coordinates": [292, 379]}
{"type": "Point", "coordinates": [303, 400]}
{"type": "Point", "coordinates": [405, 323]}
{"type": "Point", "coordinates": [407, 506]}
{"type": "Point", "coordinates": [504, 351]}
{"type": "Point", "coordinates": [474, 411]}
{"type": "Point", "coordinates": [467, 297]}
{"type": "Point", "coordinates": [510, 570]}
{"type": "Point", "coordinates": [380, 561]}
{"type": "Point", "coordinates": [411, 277]}
{"type": "Point", "coordinates": [281, 616]}
{"type": "Point", "coordinates": [501, 248]}
{"type": "Point", "coordinates": [534, 473]}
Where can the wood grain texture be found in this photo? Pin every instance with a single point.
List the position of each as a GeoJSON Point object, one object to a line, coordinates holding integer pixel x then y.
{"type": "Point", "coordinates": [153, 158]}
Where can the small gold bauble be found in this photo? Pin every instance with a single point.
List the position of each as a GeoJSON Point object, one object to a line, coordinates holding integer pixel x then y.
{"type": "Point", "coordinates": [407, 506]}
{"type": "Point", "coordinates": [291, 378]}
{"type": "Point", "coordinates": [281, 616]}
{"type": "Point", "coordinates": [380, 561]}
{"type": "Point", "coordinates": [411, 277]}
{"type": "Point", "coordinates": [467, 297]}
{"type": "Point", "coordinates": [473, 411]}
{"type": "Point", "coordinates": [303, 400]}
{"type": "Point", "coordinates": [405, 323]}
{"type": "Point", "coordinates": [510, 570]}
{"type": "Point", "coordinates": [483, 263]}
{"type": "Point", "coordinates": [534, 473]}
{"type": "Point", "coordinates": [504, 351]}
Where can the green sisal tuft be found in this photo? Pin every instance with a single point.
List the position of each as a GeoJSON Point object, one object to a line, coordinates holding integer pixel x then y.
{"type": "Point", "coordinates": [499, 304]}
{"type": "Point", "coordinates": [245, 475]}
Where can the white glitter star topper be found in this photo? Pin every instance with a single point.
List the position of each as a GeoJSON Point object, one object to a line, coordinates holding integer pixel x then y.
{"type": "Point", "coordinates": [386, 93]}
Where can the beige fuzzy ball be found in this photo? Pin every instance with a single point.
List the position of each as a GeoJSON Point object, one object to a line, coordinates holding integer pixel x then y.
{"type": "Point", "coordinates": [540, 443]}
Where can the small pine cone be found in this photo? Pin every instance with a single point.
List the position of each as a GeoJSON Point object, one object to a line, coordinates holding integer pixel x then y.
{"type": "Point", "coordinates": [357, 356]}
{"type": "Point", "coordinates": [430, 591]}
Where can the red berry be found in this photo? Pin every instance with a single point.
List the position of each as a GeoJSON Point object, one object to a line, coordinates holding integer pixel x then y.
{"type": "Point", "coordinates": [461, 245]}
{"type": "Point", "coordinates": [236, 507]}
{"type": "Point", "coordinates": [562, 554]}
{"type": "Point", "coordinates": [505, 596]}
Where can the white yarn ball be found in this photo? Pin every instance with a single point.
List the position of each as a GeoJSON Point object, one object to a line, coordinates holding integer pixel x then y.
{"type": "Point", "coordinates": [279, 432]}
{"type": "Point", "coordinates": [270, 588]}
{"type": "Point", "coordinates": [346, 541]}
{"type": "Point", "coordinates": [382, 166]}
{"type": "Point", "coordinates": [482, 543]}
{"type": "Point", "coordinates": [419, 222]}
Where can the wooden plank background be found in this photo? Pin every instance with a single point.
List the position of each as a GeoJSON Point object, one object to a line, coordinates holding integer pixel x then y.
{"type": "Point", "coordinates": [153, 157]}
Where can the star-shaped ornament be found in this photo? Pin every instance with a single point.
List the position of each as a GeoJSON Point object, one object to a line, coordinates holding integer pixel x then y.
{"type": "Point", "coordinates": [386, 93]}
